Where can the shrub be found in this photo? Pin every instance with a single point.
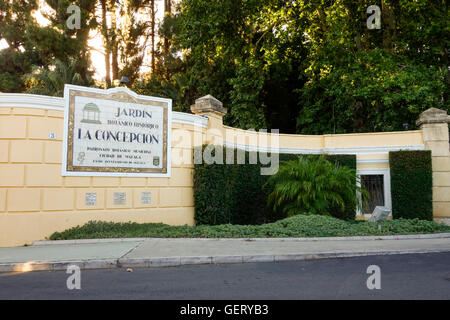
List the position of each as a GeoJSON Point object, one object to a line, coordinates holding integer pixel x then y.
{"type": "Point", "coordinates": [313, 185]}
{"type": "Point", "coordinates": [297, 226]}
{"type": "Point", "coordinates": [235, 193]}
{"type": "Point", "coordinates": [411, 184]}
{"type": "Point", "coordinates": [230, 193]}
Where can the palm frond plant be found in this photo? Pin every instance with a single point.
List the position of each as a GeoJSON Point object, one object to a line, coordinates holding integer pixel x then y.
{"type": "Point", "coordinates": [50, 82]}
{"type": "Point", "coordinates": [313, 185]}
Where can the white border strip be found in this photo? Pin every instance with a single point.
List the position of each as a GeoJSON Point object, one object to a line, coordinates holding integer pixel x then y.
{"type": "Point", "coordinates": [372, 150]}
{"type": "Point", "coordinates": [34, 101]}
{"type": "Point", "coordinates": [189, 119]}
{"type": "Point", "coordinates": [372, 161]}
{"type": "Point", "coordinates": [356, 151]}
{"type": "Point", "coordinates": [386, 173]}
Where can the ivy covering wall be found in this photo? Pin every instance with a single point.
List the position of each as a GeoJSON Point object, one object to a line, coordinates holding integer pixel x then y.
{"type": "Point", "coordinates": [411, 184]}
{"type": "Point", "coordinates": [234, 193]}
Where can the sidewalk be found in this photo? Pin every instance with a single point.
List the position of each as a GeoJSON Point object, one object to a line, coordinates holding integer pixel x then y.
{"type": "Point", "coordinates": [116, 253]}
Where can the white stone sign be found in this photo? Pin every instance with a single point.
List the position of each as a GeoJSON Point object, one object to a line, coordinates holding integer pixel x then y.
{"type": "Point", "coordinates": [115, 132]}
{"type": "Point", "coordinates": [379, 213]}
{"type": "Point", "coordinates": [91, 199]}
{"type": "Point", "coordinates": [146, 198]}
{"type": "Point", "coordinates": [120, 198]}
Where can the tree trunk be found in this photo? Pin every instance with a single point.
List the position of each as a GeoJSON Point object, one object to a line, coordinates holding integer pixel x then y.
{"type": "Point", "coordinates": [389, 35]}
{"type": "Point", "coordinates": [167, 11]}
{"type": "Point", "coordinates": [114, 43]}
{"type": "Point", "coordinates": [107, 45]}
{"type": "Point", "coordinates": [323, 18]}
{"type": "Point", "coordinates": [153, 34]}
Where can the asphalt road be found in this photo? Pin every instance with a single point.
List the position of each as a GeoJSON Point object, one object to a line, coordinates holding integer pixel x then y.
{"type": "Point", "coordinates": [409, 276]}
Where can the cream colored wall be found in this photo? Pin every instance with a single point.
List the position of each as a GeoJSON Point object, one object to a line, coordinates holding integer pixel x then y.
{"type": "Point", "coordinates": [371, 149]}
{"type": "Point", "coordinates": [35, 200]}
{"type": "Point", "coordinates": [437, 140]}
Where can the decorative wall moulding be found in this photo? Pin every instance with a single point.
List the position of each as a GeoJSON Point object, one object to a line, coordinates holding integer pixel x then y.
{"type": "Point", "coordinates": [33, 101]}
{"type": "Point", "coordinates": [360, 150]}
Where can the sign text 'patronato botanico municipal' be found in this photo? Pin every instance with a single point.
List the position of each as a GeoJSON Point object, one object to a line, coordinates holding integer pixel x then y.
{"type": "Point", "coordinates": [115, 132]}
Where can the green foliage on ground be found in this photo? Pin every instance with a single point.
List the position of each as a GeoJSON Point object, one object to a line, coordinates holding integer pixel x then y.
{"type": "Point", "coordinates": [236, 193]}
{"type": "Point", "coordinates": [314, 185]}
{"type": "Point", "coordinates": [296, 226]}
{"type": "Point", "coordinates": [411, 184]}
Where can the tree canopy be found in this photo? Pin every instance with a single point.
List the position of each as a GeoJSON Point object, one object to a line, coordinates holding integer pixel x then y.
{"type": "Point", "coordinates": [305, 66]}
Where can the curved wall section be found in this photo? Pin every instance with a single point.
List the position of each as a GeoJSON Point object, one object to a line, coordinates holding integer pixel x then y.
{"type": "Point", "coordinates": [36, 200]}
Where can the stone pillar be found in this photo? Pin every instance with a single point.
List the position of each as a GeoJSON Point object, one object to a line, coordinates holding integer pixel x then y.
{"type": "Point", "coordinates": [213, 109]}
{"type": "Point", "coordinates": [434, 125]}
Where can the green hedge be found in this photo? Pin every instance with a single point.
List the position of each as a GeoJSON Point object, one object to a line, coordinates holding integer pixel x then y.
{"type": "Point", "coordinates": [233, 193]}
{"type": "Point", "coordinates": [411, 184]}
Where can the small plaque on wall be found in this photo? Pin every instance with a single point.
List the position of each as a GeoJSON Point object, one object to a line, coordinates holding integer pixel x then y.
{"type": "Point", "coordinates": [91, 199]}
{"type": "Point", "coordinates": [120, 198]}
{"type": "Point", "coordinates": [146, 197]}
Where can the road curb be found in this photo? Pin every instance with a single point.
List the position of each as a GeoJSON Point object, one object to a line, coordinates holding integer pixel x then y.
{"type": "Point", "coordinates": [88, 241]}
{"type": "Point", "coordinates": [354, 238]}
{"type": "Point", "coordinates": [194, 260]}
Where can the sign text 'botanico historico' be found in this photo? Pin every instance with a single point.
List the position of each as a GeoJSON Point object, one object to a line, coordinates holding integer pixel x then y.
{"type": "Point", "coordinates": [115, 132]}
